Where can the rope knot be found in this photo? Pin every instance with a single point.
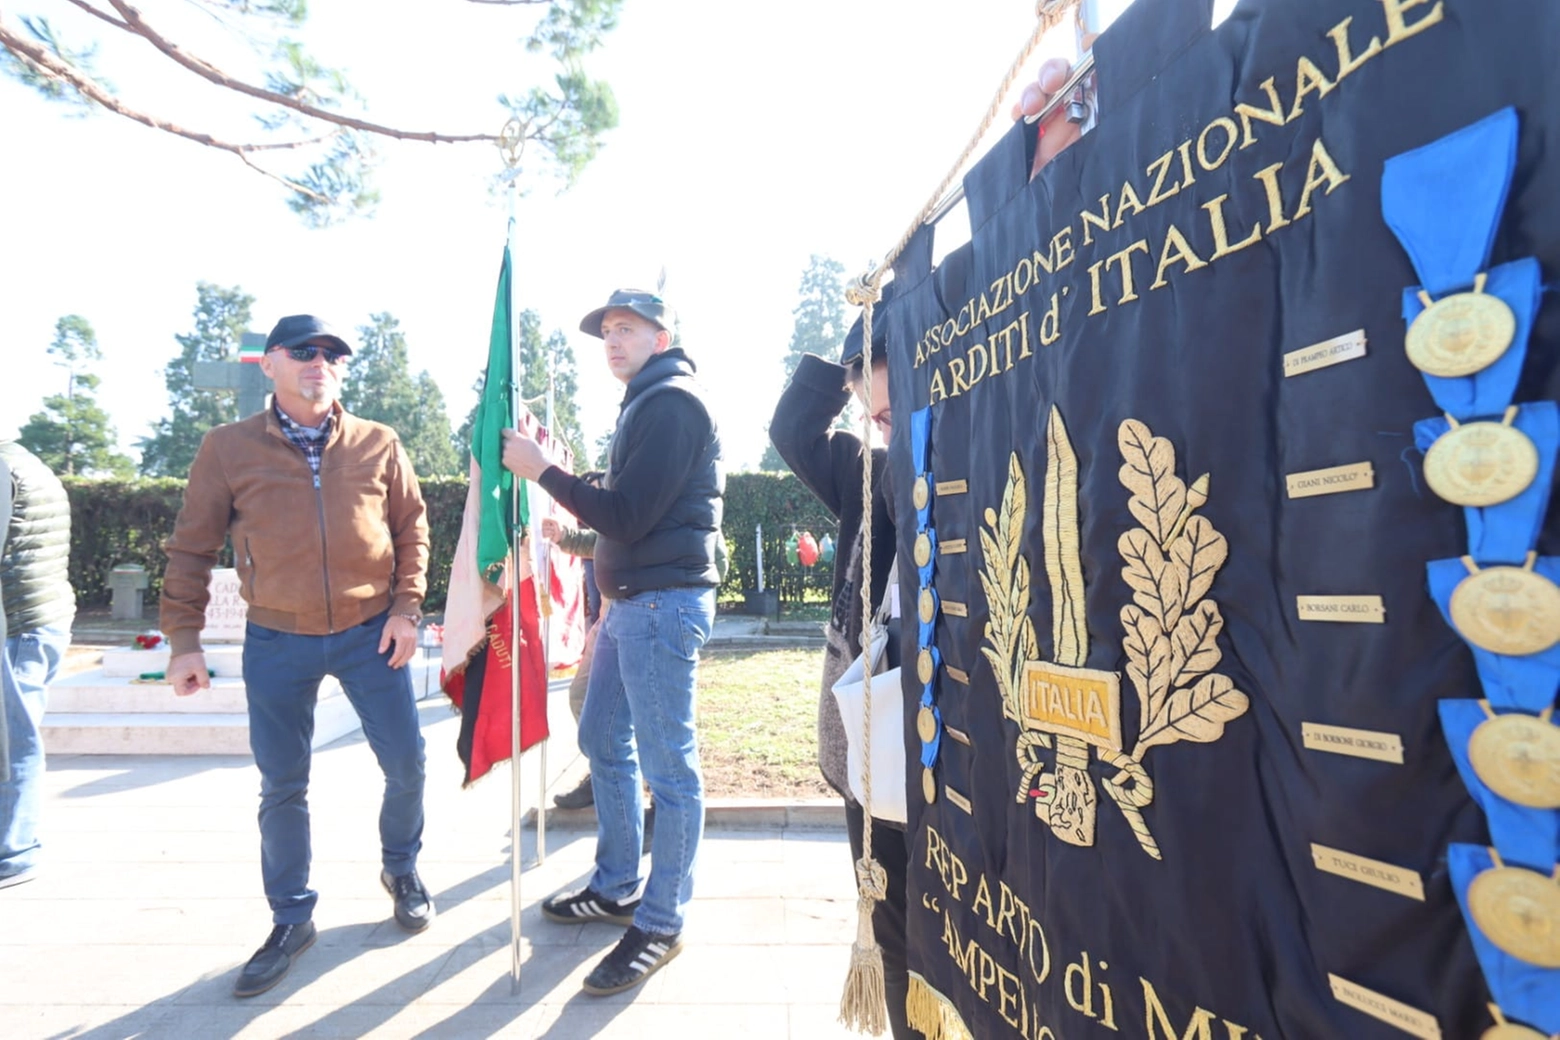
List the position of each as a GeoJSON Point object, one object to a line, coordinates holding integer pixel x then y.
{"type": "Point", "coordinates": [871, 879]}
{"type": "Point", "coordinates": [864, 289]}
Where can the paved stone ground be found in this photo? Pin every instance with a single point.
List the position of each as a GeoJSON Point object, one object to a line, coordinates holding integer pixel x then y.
{"type": "Point", "coordinates": [150, 900]}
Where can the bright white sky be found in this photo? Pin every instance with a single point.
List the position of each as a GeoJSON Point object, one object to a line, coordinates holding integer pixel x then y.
{"type": "Point", "coordinates": [751, 136]}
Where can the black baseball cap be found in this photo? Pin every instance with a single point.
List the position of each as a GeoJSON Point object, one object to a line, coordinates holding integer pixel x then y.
{"type": "Point", "coordinates": [646, 304]}
{"type": "Point", "coordinates": [301, 328]}
{"type": "Point", "coordinates": [851, 353]}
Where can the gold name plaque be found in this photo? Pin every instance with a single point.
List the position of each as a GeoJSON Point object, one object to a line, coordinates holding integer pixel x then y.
{"type": "Point", "coordinates": [1333, 351]}
{"type": "Point", "coordinates": [1368, 871]}
{"type": "Point", "coordinates": [1361, 743]}
{"type": "Point", "coordinates": [1411, 1020]}
{"type": "Point", "coordinates": [1368, 610]}
{"type": "Point", "coordinates": [1359, 476]}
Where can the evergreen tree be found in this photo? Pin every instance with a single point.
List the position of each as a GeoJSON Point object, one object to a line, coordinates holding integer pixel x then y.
{"type": "Point", "coordinates": [819, 326]}
{"type": "Point", "coordinates": [379, 386]}
{"type": "Point", "coordinates": [72, 434]}
{"type": "Point", "coordinates": [221, 315]}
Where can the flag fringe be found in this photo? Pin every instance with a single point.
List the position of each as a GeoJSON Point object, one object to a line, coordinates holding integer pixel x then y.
{"type": "Point", "coordinates": [933, 1014]}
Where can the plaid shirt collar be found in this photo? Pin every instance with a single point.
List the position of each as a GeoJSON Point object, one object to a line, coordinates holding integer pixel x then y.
{"type": "Point", "coordinates": [309, 439]}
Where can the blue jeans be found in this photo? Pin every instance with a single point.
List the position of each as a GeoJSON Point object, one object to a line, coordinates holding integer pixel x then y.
{"type": "Point", "coordinates": [32, 659]}
{"type": "Point", "coordinates": [283, 672]}
{"type": "Point", "coordinates": [641, 692]}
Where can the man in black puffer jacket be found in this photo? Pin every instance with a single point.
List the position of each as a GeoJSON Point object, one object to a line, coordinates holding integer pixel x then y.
{"type": "Point", "coordinates": [657, 521]}
{"type": "Point", "coordinates": [39, 608]}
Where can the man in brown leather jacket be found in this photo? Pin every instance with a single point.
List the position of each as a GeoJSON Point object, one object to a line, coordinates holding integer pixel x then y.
{"type": "Point", "coordinates": [328, 530]}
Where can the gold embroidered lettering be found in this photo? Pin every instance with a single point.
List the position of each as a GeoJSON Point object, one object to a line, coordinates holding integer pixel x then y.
{"type": "Point", "coordinates": [1185, 151]}
{"type": "Point", "coordinates": [1102, 221]}
{"type": "Point", "coordinates": [1347, 62]}
{"type": "Point", "coordinates": [1274, 113]}
{"type": "Point", "coordinates": [1268, 175]}
{"type": "Point", "coordinates": [1221, 234]}
{"type": "Point", "coordinates": [1129, 197]}
{"type": "Point", "coordinates": [1322, 170]}
{"type": "Point", "coordinates": [1124, 258]}
{"type": "Point", "coordinates": [956, 372]}
{"type": "Point", "coordinates": [1094, 288]}
{"type": "Point", "coordinates": [1062, 247]}
{"type": "Point", "coordinates": [1226, 124]}
{"type": "Point", "coordinates": [1051, 321]}
{"type": "Point", "coordinates": [1308, 80]}
{"type": "Point", "coordinates": [939, 391]}
{"type": "Point", "coordinates": [1183, 254]}
{"type": "Point", "coordinates": [1398, 28]}
{"type": "Point", "coordinates": [1023, 272]}
{"type": "Point", "coordinates": [1158, 193]}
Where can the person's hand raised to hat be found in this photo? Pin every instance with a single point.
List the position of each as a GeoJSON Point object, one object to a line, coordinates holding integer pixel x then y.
{"type": "Point", "coordinates": [1057, 133]}
{"type": "Point", "coordinates": [523, 456]}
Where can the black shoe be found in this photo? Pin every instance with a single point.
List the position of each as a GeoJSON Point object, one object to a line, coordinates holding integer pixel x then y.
{"type": "Point", "coordinates": [413, 905]}
{"type": "Point", "coordinates": [585, 907]}
{"type": "Point", "coordinates": [636, 957]}
{"type": "Point", "coordinates": [581, 797]}
{"type": "Point", "coordinates": [270, 963]}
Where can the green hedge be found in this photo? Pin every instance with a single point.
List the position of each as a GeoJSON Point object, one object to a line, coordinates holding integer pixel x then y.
{"type": "Point", "coordinates": [127, 521]}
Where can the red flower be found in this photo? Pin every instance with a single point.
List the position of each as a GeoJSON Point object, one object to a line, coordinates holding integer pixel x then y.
{"type": "Point", "coordinates": [148, 640]}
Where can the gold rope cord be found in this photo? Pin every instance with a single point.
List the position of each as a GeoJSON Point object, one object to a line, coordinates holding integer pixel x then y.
{"type": "Point", "coordinates": [863, 1004]}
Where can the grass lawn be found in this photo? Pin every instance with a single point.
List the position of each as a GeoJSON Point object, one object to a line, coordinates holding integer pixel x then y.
{"type": "Point", "coordinates": [758, 724]}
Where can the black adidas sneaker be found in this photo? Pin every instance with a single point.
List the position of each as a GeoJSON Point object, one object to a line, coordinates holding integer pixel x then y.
{"type": "Point", "coordinates": [636, 957]}
{"type": "Point", "coordinates": [584, 907]}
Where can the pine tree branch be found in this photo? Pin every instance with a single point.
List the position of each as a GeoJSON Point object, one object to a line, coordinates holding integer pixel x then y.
{"type": "Point", "coordinates": [136, 24]}
{"type": "Point", "coordinates": [49, 65]}
{"type": "Point", "coordinates": [99, 13]}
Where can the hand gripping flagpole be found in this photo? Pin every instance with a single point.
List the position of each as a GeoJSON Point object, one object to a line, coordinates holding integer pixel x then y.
{"type": "Point", "coordinates": [511, 142]}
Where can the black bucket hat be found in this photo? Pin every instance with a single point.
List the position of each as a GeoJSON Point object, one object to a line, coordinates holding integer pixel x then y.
{"type": "Point", "coordinates": [296, 329]}
{"type": "Point", "coordinates": [851, 353]}
{"type": "Point", "coordinates": [646, 304]}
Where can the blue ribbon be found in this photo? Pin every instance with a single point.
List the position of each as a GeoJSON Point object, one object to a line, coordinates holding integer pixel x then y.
{"type": "Point", "coordinates": [925, 573]}
{"type": "Point", "coordinates": [929, 747]}
{"type": "Point", "coordinates": [927, 626]}
{"type": "Point", "coordinates": [1510, 683]}
{"type": "Point", "coordinates": [1443, 201]}
{"type": "Point", "coordinates": [1522, 834]}
{"type": "Point", "coordinates": [1522, 990]}
{"type": "Point", "coordinates": [921, 436]}
{"type": "Point", "coordinates": [1505, 532]}
{"type": "Point", "coordinates": [1519, 284]}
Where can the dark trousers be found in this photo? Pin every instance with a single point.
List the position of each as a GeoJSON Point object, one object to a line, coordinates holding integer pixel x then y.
{"type": "Point", "coordinates": [891, 850]}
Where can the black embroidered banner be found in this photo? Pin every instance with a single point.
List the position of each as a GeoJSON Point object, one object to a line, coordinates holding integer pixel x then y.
{"type": "Point", "coordinates": [1189, 779]}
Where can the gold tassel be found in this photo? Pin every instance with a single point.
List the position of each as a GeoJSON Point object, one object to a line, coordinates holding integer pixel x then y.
{"type": "Point", "coordinates": [863, 1007]}
{"type": "Point", "coordinates": [931, 1013]}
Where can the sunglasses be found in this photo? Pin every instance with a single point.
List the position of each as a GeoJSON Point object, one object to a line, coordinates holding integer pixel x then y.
{"type": "Point", "coordinates": [333, 355]}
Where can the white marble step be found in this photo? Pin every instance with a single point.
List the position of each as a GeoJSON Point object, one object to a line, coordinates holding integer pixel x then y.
{"type": "Point", "coordinates": [175, 733]}
{"type": "Point", "coordinates": [123, 662]}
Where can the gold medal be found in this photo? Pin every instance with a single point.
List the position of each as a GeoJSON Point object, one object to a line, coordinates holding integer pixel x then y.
{"type": "Point", "coordinates": [1507, 610]}
{"type": "Point", "coordinates": [924, 668]}
{"type": "Point", "coordinates": [926, 606]}
{"type": "Point", "coordinates": [1519, 911]}
{"type": "Point", "coordinates": [1504, 1030]}
{"type": "Point", "coordinates": [928, 786]}
{"type": "Point", "coordinates": [926, 724]}
{"type": "Point", "coordinates": [1481, 463]}
{"type": "Point", "coordinates": [922, 493]}
{"type": "Point", "coordinates": [1518, 757]}
{"type": "Point", "coordinates": [923, 549]}
{"type": "Point", "coordinates": [1461, 334]}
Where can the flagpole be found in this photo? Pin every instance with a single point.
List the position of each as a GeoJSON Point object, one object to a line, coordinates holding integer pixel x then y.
{"type": "Point", "coordinates": [515, 831]}
{"type": "Point", "coordinates": [546, 602]}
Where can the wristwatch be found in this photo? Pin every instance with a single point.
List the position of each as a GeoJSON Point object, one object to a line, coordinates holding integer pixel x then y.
{"type": "Point", "coordinates": [414, 617]}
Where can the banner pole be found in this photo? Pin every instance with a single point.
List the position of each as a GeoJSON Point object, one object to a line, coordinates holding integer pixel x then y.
{"type": "Point", "coordinates": [515, 831]}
